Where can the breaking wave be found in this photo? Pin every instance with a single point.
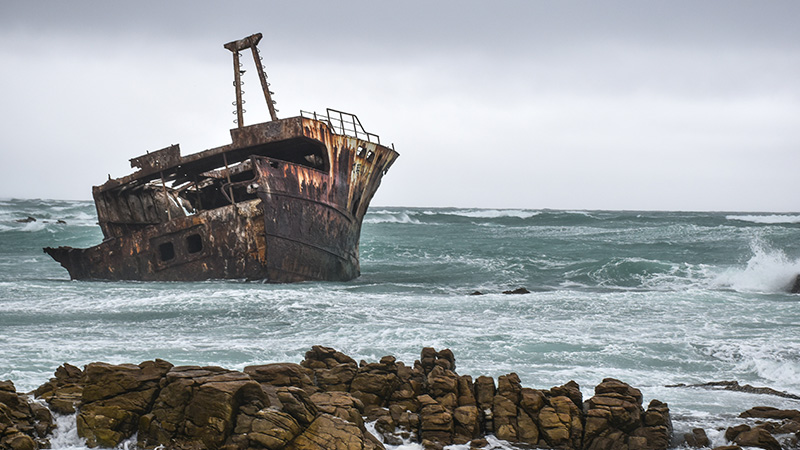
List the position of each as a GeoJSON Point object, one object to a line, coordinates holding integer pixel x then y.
{"type": "Point", "coordinates": [766, 219]}
{"type": "Point", "coordinates": [489, 213]}
{"type": "Point", "coordinates": [768, 270]}
{"type": "Point", "coordinates": [390, 217]}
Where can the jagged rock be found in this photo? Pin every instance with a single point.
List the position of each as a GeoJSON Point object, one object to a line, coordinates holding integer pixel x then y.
{"type": "Point", "coordinates": [333, 370]}
{"type": "Point", "coordinates": [466, 391]}
{"type": "Point", "coordinates": [23, 425]}
{"type": "Point", "coordinates": [322, 403]}
{"type": "Point", "coordinates": [406, 423]}
{"type": "Point", "coordinates": [735, 386]}
{"type": "Point", "coordinates": [27, 220]}
{"type": "Point", "coordinates": [340, 404]}
{"type": "Point", "coordinates": [615, 419]}
{"type": "Point", "coordinates": [795, 286]}
{"type": "Point", "coordinates": [436, 422]}
{"type": "Point", "coordinates": [64, 391]}
{"type": "Point", "coordinates": [411, 382]}
{"type": "Point", "coordinates": [267, 428]}
{"type": "Point", "coordinates": [320, 357]}
{"type": "Point", "coordinates": [484, 396]}
{"type": "Point", "coordinates": [328, 432]}
{"type": "Point", "coordinates": [572, 390]}
{"type": "Point", "coordinates": [443, 386]}
{"type": "Point", "coordinates": [732, 432]}
{"type": "Point", "coordinates": [757, 437]}
{"type": "Point", "coordinates": [198, 406]}
{"type": "Point", "coordinates": [446, 359]}
{"type": "Point", "coordinates": [519, 290]}
{"type": "Point", "coordinates": [373, 383]}
{"type": "Point", "coordinates": [697, 438]}
{"type": "Point", "coordinates": [283, 374]}
{"type": "Point", "coordinates": [466, 421]}
{"type": "Point", "coordinates": [504, 407]}
{"type": "Point", "coordinates": [656, 427]}
{"type": "Point", "coordinates": [115, 397]}
{"type": "Point", "coordinates": [767, 412]}
{"type": "Point", "coordinates": [560, 423]}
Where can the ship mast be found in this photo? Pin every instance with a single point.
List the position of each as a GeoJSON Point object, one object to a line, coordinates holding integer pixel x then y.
{"type": "Point", "coordinates": [235, 47]}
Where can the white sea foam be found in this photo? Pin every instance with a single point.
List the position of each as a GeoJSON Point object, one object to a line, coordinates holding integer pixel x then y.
{"type": "Point", "coordinates": [768, 270]}
{"type": "Point", "coordinates": [492, 213]}
{"type": "Point", "coordinates": [390, 217]}
{"type": "Point", "coordinates": [65, 436]}
{"type": "Point", "coordinates": [766, 219]}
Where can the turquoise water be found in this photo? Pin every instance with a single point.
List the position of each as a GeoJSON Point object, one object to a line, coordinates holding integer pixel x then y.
{"type": "Point", "coordinates": [652, 298]}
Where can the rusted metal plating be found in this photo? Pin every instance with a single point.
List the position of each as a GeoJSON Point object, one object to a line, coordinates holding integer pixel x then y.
{"type": "Point", "coordinates": [283, 202]}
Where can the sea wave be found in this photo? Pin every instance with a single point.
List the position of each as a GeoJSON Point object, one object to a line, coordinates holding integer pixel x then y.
{"type": "Point", "coordinates": [766, 219]}
{"type": "Point", "coordinates": [390, 217]}
{"type": "Point", "coordinates": [489, 213]}
{"type": "Point", "coordinates": [768, 270]}
{"type": "Point", "coordinates": [775, 362]}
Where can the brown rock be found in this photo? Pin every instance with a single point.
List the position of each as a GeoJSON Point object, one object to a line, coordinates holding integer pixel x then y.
{"type": "Point", "coordinates": [282, 375]}
{"type": "Point", "coordinates": [509, 386]}
{"type": "Point", "coordinates": [446, 359]}
{"type": "Point", "coordinates": [441, 382]}
{"type": "Point", "coordinates": [64, 391]}
{"type": "Point", "coordinates": [198, 407]}
{"type": "Point", "coordinates": [23, 425]}
{"type": "Point", "coordinates": [328, 432]}
{"type": "Point", "coordinates": [732, 432]}
{"type": "Point", "coordinates": [560, 423]}
{"type": "Point", "coordinates": [337, 378]}
{"type": "Point", "coordinates": [531, 400]}
{"type": "Point", "coordinates": [270, 429]}
{"type": "Point", "coordinates": [527, 430]}
{"type": "Point", "coordinates": [466, 391]}
{"type": "Point", "coordinates": [572, 390]}
{"type": "Point", "coordinates": [114, 397]}
{"type": "Point", "coordinates": [697, 438]}
{"type": "Point", "coordinates": [625, 391]}
{"type": "Point", "coordinates": [340, 404]}
{"type": "Point", "coordinates": [766, 412]}
{"type": "Point", "coordinates": [466, 420]}
{"type": "Point", "coordinates": [504, 412]}
{"type": "Point", "coordinates": [298, 404]}
{"type": "Point", "coordinates": [519, 290]}
{"type": "Point", "coordinates": [327, 356]}
{"type": "Point", "coordinates": [484, 391]}
{"type": "Point", "coordinates": [372, 385]}
{"type": "Point", "coordinates": [757, 437]}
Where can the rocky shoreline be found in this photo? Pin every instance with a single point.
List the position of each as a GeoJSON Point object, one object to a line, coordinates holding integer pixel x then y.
{"type": "Point", "coordinates": [323, 403]}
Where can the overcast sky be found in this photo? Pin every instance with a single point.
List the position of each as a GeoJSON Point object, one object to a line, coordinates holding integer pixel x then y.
{"type": "Point", "coordinates": [643, 105]}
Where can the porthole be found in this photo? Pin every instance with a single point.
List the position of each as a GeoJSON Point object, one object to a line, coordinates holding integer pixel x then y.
{"type": "Point", "coordinates": [194, 243]}
{"type": "Point", "coordinates": [166, 251]}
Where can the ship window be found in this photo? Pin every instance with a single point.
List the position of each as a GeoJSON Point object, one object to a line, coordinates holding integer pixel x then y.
{"type": "Point", "coordinates": [166, 251]}
{"type": "Point", "coordinates": [194, 243]}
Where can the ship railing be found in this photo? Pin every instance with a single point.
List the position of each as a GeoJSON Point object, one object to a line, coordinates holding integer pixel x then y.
{"type": "Point", "coordinates": [343, 123]}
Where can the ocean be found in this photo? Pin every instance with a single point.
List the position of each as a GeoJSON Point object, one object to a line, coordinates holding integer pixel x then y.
{"type": "Point", "coordinates": [651, 298]}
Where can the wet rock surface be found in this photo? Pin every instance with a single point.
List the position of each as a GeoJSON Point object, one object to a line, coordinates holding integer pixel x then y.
{"type": "Point", "coordinates": [323, 402]}
{"type": "Point", "coordinates": [23, 425]}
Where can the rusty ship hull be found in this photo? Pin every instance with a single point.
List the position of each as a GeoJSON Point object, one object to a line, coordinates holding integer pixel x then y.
{"type": "Point", "coordinates": [283, 203]}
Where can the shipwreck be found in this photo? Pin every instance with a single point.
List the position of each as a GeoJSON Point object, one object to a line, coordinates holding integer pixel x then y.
{"type": "Point", "coordinates": [283, 202]}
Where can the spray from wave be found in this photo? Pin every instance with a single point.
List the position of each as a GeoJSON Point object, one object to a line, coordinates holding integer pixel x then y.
{"type": "Point", "coordinates": [390, 217]}
{"type": "Point", "coordinates": [768, 270]}
{"type": "Point", "coordinates": [766, 219]}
